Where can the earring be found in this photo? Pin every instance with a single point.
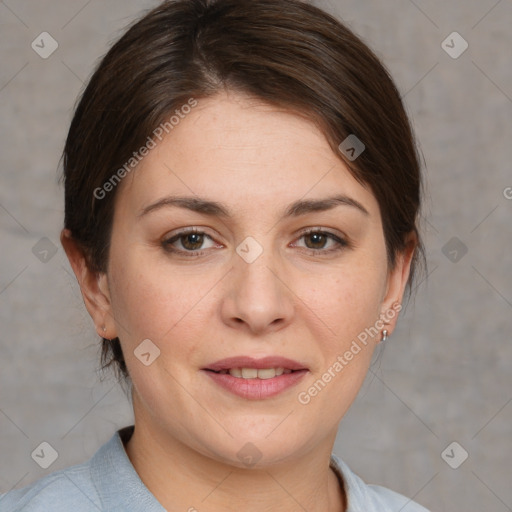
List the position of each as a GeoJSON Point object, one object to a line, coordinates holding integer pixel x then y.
{"type": "Point", "coordinates": [384, 335]}
{"type": "Point", "coordinates": [105, 330]}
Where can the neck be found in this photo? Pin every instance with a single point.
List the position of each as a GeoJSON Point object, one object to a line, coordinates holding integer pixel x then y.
{"type": "Point", "coordinates": [183, 479]}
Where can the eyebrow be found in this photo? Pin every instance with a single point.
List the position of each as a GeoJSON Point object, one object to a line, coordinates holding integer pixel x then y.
{"type": "Point", "coordinates": [216, 209]}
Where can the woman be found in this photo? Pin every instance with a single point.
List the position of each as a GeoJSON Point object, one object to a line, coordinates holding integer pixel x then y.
{"type": "Point", "coordinates": [242, 193]}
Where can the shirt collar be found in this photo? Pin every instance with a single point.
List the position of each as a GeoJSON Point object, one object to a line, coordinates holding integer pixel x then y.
{"type": "Point", "coordinates": [118, 484]}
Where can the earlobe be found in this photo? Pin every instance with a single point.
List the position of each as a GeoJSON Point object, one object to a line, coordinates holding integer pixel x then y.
{"type": "Point", "coordinates": [93, 285]}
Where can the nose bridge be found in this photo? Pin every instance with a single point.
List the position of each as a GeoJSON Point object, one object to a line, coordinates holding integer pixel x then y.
{"type": "Point", "coordinates": [258, 294]}
{"type": "Point", "coordinates": [255, 266]}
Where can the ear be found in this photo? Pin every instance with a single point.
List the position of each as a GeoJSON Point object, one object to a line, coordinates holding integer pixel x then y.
{"type": "Point", "coordinates": [93, 285]}
{"type": "Point", "coordinates": [396, 283]}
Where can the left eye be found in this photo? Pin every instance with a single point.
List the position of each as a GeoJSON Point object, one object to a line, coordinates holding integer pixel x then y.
{"type": "Point", "coordinates": [320, 238]}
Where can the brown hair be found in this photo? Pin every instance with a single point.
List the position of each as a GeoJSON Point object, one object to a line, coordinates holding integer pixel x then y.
{"type": "Point", "coordinates": [285, 52]}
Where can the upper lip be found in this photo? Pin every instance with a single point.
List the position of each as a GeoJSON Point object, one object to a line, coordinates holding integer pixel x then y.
{"type": "Point", "coordinates": [251, 362]}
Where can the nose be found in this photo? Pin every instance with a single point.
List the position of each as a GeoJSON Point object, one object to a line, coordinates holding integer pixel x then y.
{"type": "Point", "coordinates": [258, 297]}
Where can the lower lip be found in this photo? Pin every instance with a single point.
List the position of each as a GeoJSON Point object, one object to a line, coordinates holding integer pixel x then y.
{"type": "Point", "coordinates": [256, 389]}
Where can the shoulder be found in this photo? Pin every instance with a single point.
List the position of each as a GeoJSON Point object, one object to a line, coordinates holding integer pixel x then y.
{"type": "Point", "coordinates": [64, 490]}
{"type": "Point", "coordinates": [393, 501]}
{"type": "Point", "coordinates": [107, 481]}
{"type": "Point", "coordinates": [363, 497]}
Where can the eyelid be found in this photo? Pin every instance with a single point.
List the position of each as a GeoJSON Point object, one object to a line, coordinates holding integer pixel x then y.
{"type": "Point", "coordinates": [320, 229]}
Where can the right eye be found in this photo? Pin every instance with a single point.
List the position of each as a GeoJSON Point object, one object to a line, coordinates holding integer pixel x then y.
{"type": "Point", "coordinates": [191, 240]}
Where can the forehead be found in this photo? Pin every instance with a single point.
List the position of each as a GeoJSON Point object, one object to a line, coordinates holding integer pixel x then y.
{"type": "Point", "coordinates": [239, 150]}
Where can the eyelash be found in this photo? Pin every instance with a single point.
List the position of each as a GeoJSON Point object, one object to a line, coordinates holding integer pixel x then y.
{"type": "Point", "coordinates": [341, 243]}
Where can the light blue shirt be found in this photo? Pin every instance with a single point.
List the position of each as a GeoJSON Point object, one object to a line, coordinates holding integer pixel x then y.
{"type": "Point", "coordinates": [108, 482]}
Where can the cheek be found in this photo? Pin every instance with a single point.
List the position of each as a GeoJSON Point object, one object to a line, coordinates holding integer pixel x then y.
{"type": "Point", "coordinates": [152, 300]}
{"type": "Point", "coordinates": [347, 306]}
{"type": "Point", "coordinates": [346, 300]}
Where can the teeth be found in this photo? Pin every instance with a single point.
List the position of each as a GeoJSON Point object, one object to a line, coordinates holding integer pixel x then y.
{"type": "Point", "coordinates": [249, 373]}
{"type": "Point", "coordinates": [268, 373]}
{"type": "Point", "coordinates": [256, 373]}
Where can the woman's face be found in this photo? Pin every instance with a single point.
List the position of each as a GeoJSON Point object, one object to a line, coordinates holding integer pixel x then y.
{"type": "Point", "coordinates": [249, 284]}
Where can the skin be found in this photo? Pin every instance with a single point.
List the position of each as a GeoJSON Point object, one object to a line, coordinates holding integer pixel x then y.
{"type": "Point", "coordinates": [291, 301]}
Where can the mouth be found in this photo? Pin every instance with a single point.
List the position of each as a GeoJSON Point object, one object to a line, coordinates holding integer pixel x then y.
{"type": "Point", "coordinates": [256, 378]}
{"type": "Point", "coordinates": [247, 367]}
{"type": "Point", "coordinates": [254, 373]}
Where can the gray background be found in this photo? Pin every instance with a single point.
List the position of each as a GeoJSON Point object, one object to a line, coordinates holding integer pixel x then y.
{"type": "Point", "coordinates": [445, 374]}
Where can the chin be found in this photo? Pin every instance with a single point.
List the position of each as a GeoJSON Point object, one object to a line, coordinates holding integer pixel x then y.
{"type": "Point", "coordinates": [254, 452]}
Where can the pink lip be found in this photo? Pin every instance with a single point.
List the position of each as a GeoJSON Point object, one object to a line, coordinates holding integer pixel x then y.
{"type": "Point", "coordinates": [250, 362]}
{"type": "Point", "coordinates": [256, 389]}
